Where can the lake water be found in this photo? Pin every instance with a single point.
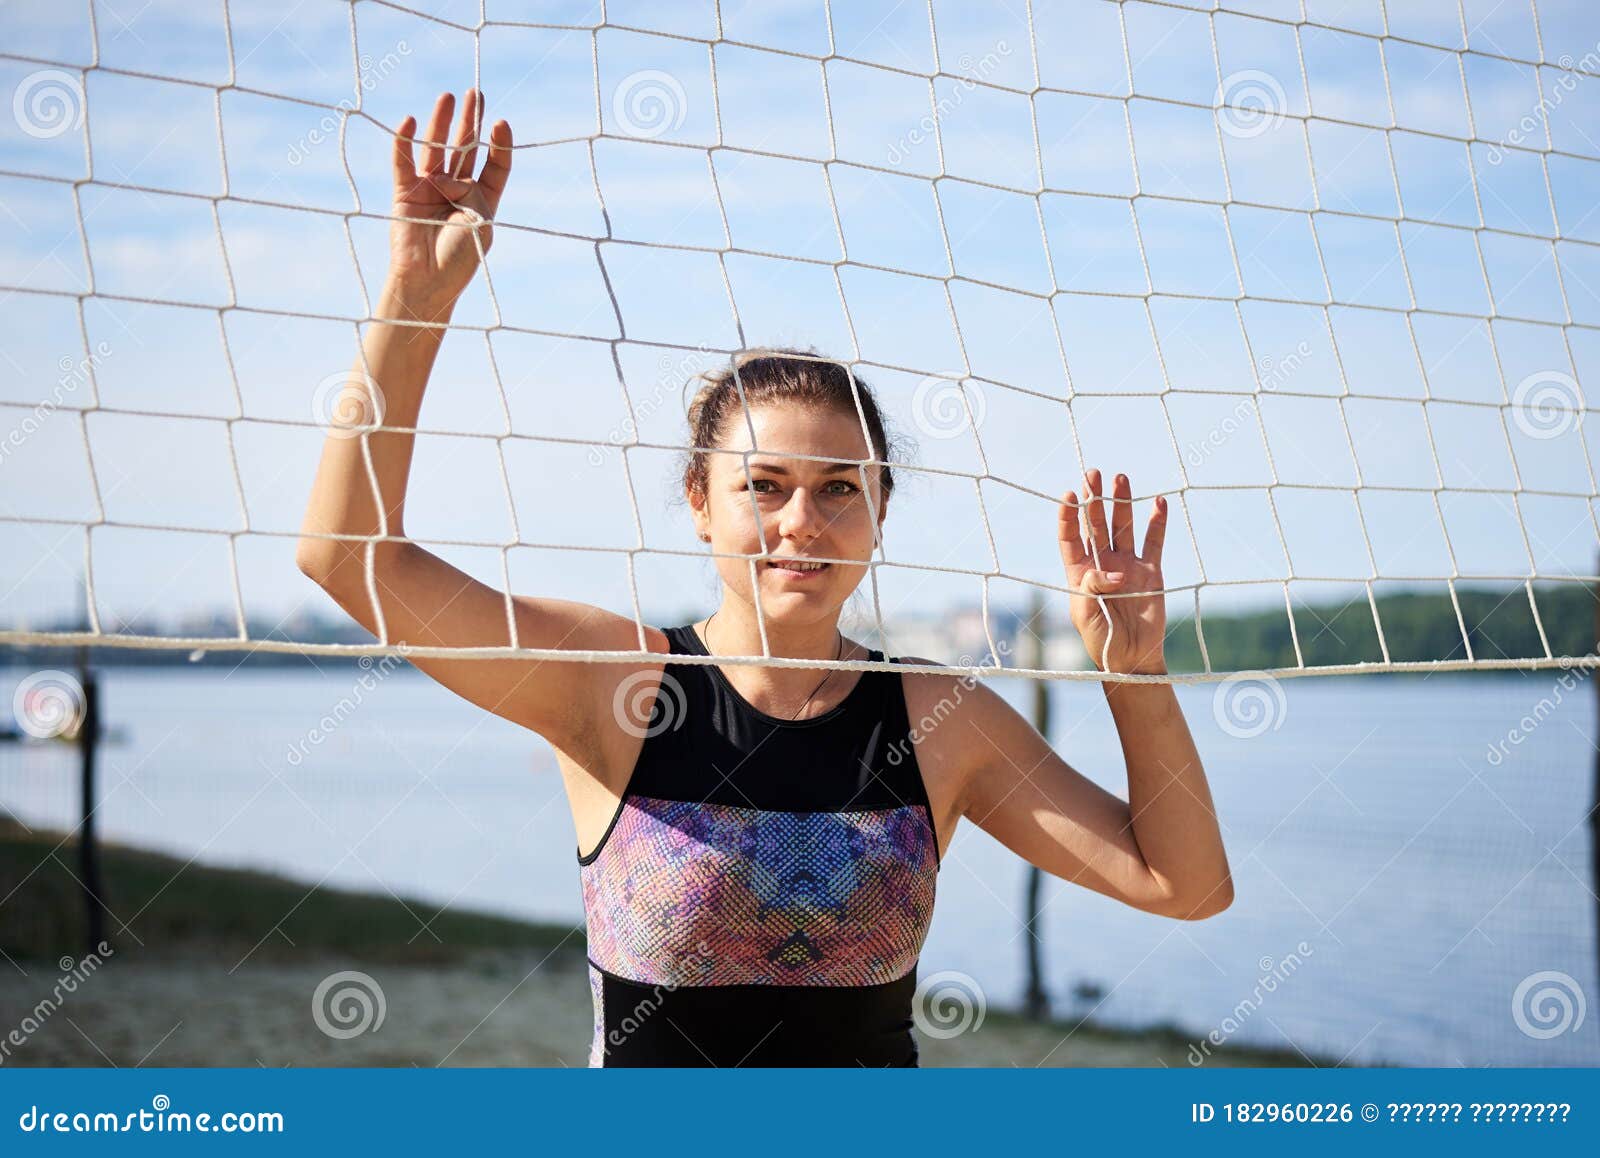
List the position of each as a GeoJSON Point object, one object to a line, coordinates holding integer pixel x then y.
{"type": "Point", "coordinates": [1395, 882]}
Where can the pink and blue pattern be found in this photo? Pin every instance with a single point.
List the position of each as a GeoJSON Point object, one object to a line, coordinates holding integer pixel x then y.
{"type": "Point", "coordinates": [691, 893]}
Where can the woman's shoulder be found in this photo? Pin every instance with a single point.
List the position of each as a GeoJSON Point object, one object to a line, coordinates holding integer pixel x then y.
{"type": "Point", "coordinates": [953, 718]}
{"type": "Point", "coordinates": [956, 707]}
{"type": "Point", "coordinates": [619, 633]}
{"type": "Point", "coordinates": [948, 695]}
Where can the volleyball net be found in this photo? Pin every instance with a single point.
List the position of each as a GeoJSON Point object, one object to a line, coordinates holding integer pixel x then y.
{"type": "Point", "coordinates": [1327, 279]}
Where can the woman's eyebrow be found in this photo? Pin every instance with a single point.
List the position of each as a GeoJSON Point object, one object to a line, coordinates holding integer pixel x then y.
{"type": "Point", "coordinates": [826, 468]}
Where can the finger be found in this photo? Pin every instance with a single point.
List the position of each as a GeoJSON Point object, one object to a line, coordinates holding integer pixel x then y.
{"type": "Point", "coordinates": [452, 188]}
{"type": "Point", "coordinates": [466, 155]}
{"type": "Point", "coordinates": [1099, 536]}
{"type": "Point", "coordinates": [438, 134]}
{"type": "Point", "coordinates": [1121, 513]}
{"type": "Point", "coordinates": [497, 168]}
{"type": "Point", "coordinates": [1098, 582]}
{"type": "Point", "coordinates": [1072, 552]}
{"type": "Point", "coordinates": [1155, 535]}
{"type": "Point", "coordinates": [405, 168]}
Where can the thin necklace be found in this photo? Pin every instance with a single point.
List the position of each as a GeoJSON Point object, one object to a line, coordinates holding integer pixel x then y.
{"type": "Point", "coordinates": [706, 633]}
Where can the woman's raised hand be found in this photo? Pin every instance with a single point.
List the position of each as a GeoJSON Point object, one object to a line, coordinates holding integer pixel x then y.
{"type": "Point", "coordinates": [433, 256]}
{"type": "Point", "coordinates": [1137, 625]}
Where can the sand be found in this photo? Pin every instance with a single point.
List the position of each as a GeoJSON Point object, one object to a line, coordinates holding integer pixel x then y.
{"type": "Point", "coordinates": [508, 1007]}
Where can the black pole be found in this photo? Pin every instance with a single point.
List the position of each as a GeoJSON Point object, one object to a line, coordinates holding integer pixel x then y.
{"type": "Point", "coordinates": [88, 750]}
{"type": "Point", "coordinates": [1036, 1001]}
{"type": "Point", "coordinates": [88, 845]}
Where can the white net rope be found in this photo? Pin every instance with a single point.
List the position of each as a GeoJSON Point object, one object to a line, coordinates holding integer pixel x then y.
{"type": "Point", "coordinates": [1243, 107]}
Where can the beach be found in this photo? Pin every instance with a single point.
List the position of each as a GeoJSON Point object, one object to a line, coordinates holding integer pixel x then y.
{"type": "Point", "coordinates": [491, 1008]}
{"type": "Point", "coordinates": [221, 967]}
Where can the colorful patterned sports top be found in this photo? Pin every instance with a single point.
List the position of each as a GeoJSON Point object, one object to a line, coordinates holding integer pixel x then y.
{"type": "Point", "coordinates": [765, 886]}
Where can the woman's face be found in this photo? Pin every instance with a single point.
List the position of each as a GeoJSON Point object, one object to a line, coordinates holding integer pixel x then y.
{"type": "Point", "coordinates": [803, 508]}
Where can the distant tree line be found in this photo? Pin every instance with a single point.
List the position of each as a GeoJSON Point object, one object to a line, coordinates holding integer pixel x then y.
{"type": "Point", "coordinates": [1417, 626]}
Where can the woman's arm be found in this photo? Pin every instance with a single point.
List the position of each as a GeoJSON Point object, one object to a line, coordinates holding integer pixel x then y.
{"type": "Point", "coordinates": [423, 600]}
{"type": "Point", "coordinates": [1160, 850]}
{"type": "Point", "coordinates": [384, 387]}
{"type": "Point", "coordinates": [433, 252]}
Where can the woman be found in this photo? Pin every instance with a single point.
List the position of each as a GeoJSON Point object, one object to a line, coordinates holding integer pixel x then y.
{"type": "Point", "coordinates": [758, 845]}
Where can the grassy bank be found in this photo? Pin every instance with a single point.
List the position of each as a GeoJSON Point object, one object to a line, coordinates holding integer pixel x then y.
{"type": "Point", "coordinates": [169, 905]}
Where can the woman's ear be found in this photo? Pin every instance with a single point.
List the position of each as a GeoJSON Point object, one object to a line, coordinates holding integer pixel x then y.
{"type": "Point", "coordinates": [697, 511]}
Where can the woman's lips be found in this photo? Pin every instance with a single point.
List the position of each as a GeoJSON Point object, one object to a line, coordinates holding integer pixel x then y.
{"type": "Point", "coordinates": [796, 574]}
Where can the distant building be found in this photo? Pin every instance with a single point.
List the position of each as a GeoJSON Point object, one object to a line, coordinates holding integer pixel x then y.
{"type": "Point", "coordinates": [960, 633]}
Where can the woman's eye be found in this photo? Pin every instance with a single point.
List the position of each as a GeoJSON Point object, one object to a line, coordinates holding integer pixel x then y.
{"type": "Point", "coordinates": [767, 486]}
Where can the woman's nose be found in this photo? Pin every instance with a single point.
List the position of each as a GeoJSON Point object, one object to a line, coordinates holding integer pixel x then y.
{"type": "Point", "coordinates": [801, 516]}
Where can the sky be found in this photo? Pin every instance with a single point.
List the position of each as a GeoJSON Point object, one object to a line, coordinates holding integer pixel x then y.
{"type": "Point", "coordinates": [1344, 321]}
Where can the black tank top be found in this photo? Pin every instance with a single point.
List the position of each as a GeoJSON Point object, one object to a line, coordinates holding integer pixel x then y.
{"type": "Point", "coordinates": [764, 888]}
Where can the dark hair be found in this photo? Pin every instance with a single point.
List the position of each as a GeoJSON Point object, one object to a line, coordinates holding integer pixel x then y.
{"type": "Point", "coordinates": [777, 375]}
